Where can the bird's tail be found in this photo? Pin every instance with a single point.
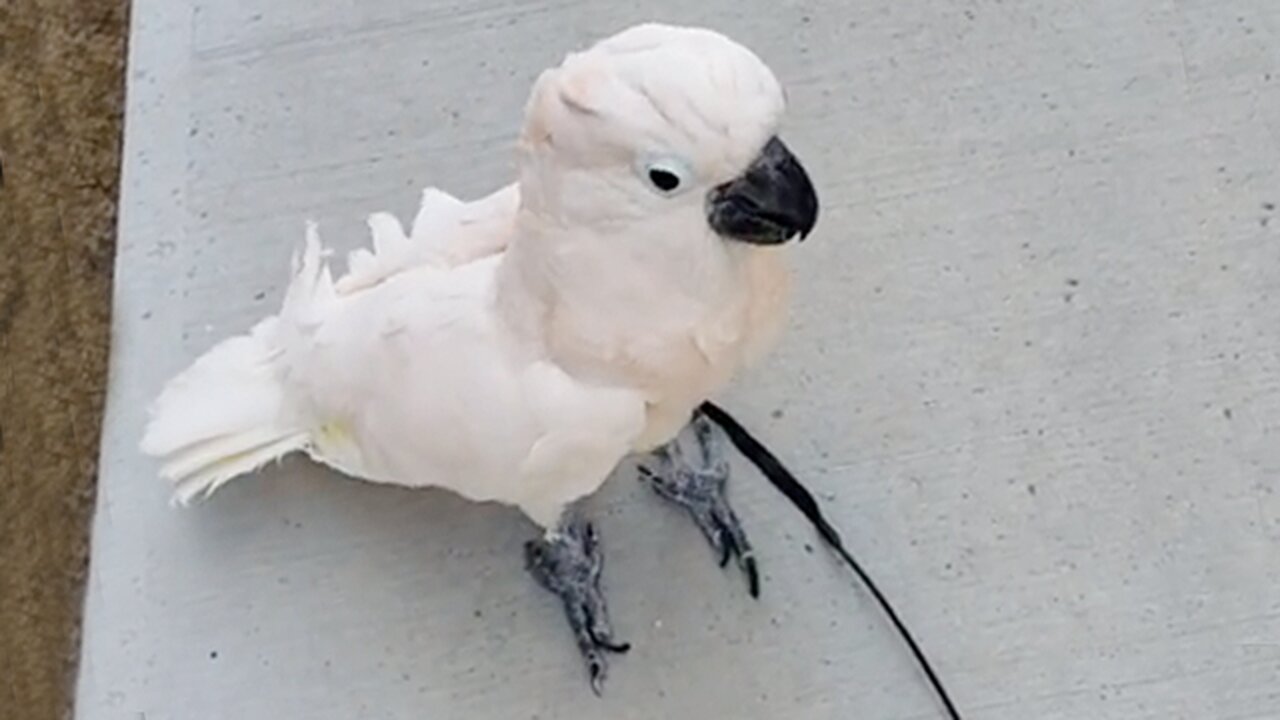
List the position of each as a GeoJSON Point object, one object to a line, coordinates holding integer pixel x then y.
{"type": "Point", "coordinates": [228, 414]}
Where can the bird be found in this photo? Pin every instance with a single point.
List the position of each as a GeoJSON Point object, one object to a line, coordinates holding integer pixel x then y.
{"type": "Point", "coordinates": [517, 348]}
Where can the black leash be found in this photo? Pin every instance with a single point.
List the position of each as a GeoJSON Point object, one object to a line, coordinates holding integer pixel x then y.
{"type": "Point", "coordinates": [799, 496]}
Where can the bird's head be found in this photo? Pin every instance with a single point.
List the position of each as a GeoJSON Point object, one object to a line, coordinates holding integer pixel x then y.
{"type": "Point", "coordinates": [659, 128]}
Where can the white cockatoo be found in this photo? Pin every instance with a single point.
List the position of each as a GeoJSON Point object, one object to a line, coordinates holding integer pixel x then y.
{"type": "Point", "coordinates": [517, 348]}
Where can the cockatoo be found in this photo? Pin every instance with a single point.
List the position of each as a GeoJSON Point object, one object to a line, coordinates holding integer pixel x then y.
{"type": "Point", "coordinates": [517, 348]}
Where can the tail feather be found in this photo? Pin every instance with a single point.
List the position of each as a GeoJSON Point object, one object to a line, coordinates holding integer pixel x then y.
{"type": "Point", "coordinates": [227, 414]}
{"type": "Point", "coordinates": [209, 466]}
{"type": "Point", "coordinates": [220, 454]}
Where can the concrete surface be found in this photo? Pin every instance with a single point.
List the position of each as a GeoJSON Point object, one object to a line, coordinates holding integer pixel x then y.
{"type": "Point", "coordinates": [1034, 370]}
{"type": "Point", "coordinates": [61, 112]}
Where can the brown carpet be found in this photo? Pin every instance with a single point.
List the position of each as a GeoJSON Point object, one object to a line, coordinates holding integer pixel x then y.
{"type": "Point", "coordinates": [61, 95]}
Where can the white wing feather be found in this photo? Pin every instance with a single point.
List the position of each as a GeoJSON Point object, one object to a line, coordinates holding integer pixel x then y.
{"type": "Point", "coordinates": [407, 377]}
{"type": "Point", "coordinates": [446, 232]}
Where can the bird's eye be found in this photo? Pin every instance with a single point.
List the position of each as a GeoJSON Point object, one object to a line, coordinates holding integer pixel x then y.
{"type": "Point", "coordinates": [664, 180]}
{"type": "Point", "coordinates": [665, 177]}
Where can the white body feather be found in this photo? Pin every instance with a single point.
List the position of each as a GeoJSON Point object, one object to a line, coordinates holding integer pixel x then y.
{"type": "Point", "coordinates": [497, 350]}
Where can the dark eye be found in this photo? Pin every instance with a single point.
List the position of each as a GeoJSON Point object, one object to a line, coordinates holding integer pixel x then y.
{"type": "Point", "coordinates": [666, 176]}
{"type": "Point", "coordinates": [664, 180]}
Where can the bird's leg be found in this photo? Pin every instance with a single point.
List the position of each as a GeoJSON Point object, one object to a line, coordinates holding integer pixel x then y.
{"type": "Point", "coordinates": [568, 563]}
{"type": "Point", "coordinates": [696, 480]}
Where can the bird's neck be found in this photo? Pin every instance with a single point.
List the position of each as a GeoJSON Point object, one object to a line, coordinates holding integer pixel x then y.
{"type": "Point", "coordinates": [620, 312]}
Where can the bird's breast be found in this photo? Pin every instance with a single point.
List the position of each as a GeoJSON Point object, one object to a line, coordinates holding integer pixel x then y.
{"type": "Point", "coordinates": [677, 348]}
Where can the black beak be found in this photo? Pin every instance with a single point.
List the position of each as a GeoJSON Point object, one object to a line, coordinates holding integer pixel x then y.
{"type": "Point", "coordinates": [772, 202]}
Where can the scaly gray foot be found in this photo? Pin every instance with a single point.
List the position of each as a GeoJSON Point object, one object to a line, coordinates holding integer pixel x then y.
{"type": "Point", "coordinates": [696, 480]}
{"type": "Point", "coordinates": [568, 563]}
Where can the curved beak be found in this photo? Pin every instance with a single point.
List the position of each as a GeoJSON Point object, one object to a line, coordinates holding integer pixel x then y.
{"type": "Point", "coordinates": [769, 204]}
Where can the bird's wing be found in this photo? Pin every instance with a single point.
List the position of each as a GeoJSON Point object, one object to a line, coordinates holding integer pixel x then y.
{"type": "Point", "coordinates": [446, 232]}
{"type": "Point", "coordinates": [417, 381]}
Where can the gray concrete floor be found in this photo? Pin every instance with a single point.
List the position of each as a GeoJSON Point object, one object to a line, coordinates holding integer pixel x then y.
{"type": "Point", "coordinates": [1033, 370]}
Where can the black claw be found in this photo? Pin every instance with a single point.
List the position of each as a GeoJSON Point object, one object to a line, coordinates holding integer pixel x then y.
{"type": "Point", "coordinates": [731, 548]}
{"type": "Point", "coordinates": [726, 547]}
{"type": "Point", "coordinates": [598, 633]}
{"type": "Point", "coordinates": [597, 669]}
{"type": "Point", "coordinates": [619, 648]}
{"type": "Point", "coordinates": [753, 576]}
